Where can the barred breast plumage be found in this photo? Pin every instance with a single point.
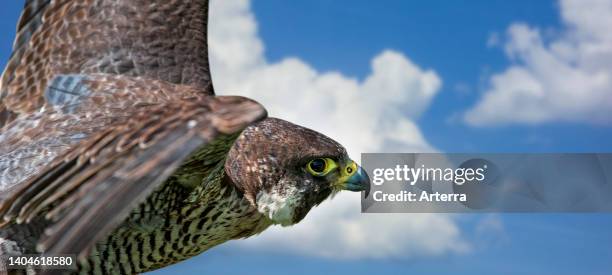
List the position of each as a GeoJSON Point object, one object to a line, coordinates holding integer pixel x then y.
{"type": "Point", "coordinates": [166, 229]}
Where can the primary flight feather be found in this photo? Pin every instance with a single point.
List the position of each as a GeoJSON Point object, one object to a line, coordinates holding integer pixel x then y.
{"type": "Point", "coordinates": [113, 146]}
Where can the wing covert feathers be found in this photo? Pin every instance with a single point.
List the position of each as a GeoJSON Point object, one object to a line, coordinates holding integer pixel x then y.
{"type": "Point", "coordinates": [134, 133]}
{"type": "Point", "coordinates": [163, 40]}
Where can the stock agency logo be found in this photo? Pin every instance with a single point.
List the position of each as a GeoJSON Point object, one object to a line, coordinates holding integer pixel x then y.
{"type": "Point", "coordinates": [463, 179]}
{"type": "Point", "coordinates": [411, 175]}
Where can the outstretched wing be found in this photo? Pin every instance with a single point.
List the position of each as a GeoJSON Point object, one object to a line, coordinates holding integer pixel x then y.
{"type": "Point", "coordinates": [164, 40]}
{"type": "Point", "coordinates": [115, 139]}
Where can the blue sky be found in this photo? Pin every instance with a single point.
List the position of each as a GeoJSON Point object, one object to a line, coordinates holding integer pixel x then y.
{"type": "Point", "coordinates": [451, 38]}
{"type": "Point", "coordinates": [447, 36]}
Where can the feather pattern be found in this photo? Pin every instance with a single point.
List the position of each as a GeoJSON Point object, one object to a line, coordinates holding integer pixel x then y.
{"type": "Point", "coordinates": [164, 40]}
{"type": "Point", "coordinates": [133, 133]}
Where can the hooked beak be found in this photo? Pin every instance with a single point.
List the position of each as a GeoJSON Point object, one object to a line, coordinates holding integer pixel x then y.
{"type": "Point", "coordinates": [358, 181]}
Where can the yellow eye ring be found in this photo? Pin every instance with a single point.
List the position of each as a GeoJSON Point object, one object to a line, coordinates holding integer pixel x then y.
{"type": "Point", "coordinates": [320, 166]}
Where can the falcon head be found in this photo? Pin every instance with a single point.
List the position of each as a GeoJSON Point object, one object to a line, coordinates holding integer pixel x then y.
{"type": "Point", "coordinates": [284, 170]}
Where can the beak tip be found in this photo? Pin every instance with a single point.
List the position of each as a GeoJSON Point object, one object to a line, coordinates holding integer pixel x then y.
{"type": "Point", "coordinates": [366, 183]}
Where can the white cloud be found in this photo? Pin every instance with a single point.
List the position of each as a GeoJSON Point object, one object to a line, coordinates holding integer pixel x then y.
{"type": "Point", "coordinates": [567, 79]}
{"type": "Point", "coordinates": [371, 115]}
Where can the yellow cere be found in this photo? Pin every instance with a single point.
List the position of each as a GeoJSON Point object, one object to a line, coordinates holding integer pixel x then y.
{"type": "Point", "coordinates": [350, 169]}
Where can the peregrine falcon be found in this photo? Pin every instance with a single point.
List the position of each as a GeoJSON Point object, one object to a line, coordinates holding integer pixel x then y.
{"type": "Point", "coordinates": [113, 146]}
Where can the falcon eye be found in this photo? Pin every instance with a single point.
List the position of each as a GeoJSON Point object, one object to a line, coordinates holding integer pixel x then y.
{"type": "Point", "coordinates": [318, 165]}
{"type": "Point", "coordinates": [321, 166]}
